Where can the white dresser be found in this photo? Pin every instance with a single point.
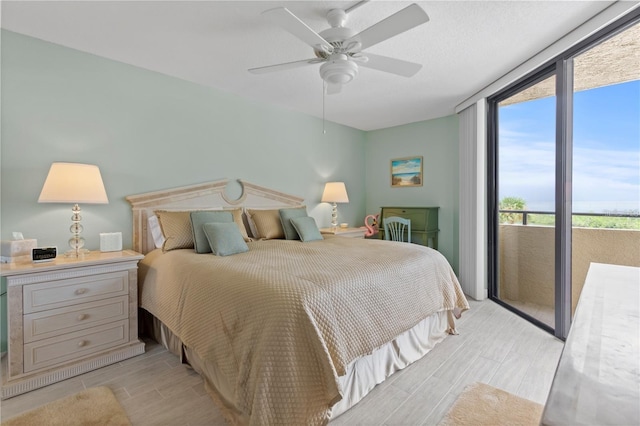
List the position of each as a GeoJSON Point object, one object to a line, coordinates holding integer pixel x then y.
{"type": "Point", "coordinates": [69, 316]}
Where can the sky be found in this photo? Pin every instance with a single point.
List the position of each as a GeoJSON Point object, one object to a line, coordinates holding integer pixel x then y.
{"type": "Point", "coordinates": [606, 150]}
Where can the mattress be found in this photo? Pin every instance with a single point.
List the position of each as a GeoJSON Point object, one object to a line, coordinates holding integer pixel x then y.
{"type": "Point", "coordinates": [283, 324]}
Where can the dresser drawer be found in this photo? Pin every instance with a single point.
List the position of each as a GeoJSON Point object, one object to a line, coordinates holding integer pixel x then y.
{"type": "Point", "coordinates": [68, 347]}
{"type": "Point", "coordinates": [54, 322]}
{"type": "Point", "coordinates": [57, 294]}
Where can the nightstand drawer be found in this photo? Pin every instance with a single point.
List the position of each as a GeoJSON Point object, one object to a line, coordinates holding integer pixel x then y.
{"type": "Point", "coordinates": [56, 294]}
{"type": "Point", "coordinates": [54, 322]}
{"type": "Point", "coordinates": [68, 347]}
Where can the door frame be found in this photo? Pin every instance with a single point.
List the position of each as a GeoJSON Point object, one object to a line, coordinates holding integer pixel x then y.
{"type": "Point", "coordinates": [562, 67]}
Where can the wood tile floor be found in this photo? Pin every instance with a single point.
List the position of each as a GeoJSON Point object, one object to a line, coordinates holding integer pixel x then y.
{"type": "Point", "coordinates": [494, 346]}
{"type": "Point", "coordinates": [546, 314]}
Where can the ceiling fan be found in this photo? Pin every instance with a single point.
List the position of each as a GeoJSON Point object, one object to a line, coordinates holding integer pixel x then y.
{"type": "Point", "coordinates": [340, 50]}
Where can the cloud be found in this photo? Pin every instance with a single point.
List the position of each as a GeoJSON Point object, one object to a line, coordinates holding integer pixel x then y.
{"type": "Point", "coordinates": [406, 166]}
{"type": "Point", "coordinates": [604, 175]}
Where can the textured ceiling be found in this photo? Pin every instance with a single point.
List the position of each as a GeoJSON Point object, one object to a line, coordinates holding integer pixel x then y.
{"type": "Point", "coordinates": [465, 46]}
{"type": "Point", "coordinates": [616, 60]}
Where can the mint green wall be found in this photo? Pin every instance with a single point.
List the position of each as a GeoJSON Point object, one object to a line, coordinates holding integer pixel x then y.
{"type": "Point", "coordinates": [148, 131]}
{"type": "Point", "coordinates": [437, 142]}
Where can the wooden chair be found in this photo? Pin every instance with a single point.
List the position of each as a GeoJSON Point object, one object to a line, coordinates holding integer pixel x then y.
{"type": "Point", "coordinates": [395, 227]}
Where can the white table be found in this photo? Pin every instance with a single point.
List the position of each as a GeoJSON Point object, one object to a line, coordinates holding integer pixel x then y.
{"type": "Point", "coordinates": [344, 232]}
{"type": "Point", "coordinates": [598, 376]}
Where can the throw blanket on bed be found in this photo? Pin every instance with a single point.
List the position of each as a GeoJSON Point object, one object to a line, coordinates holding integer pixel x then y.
{"type": "Point", "coordinates": [284, 319]}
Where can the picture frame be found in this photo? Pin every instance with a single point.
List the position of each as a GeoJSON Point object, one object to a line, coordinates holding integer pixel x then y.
{"type": "Point", "coordinates": [406, 172]}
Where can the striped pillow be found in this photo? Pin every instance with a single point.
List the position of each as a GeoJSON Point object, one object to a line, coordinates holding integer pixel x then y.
{"type": "Point", "coordinates": [176, 228]}
{"type": "Point", "coordinates": [267, 223]}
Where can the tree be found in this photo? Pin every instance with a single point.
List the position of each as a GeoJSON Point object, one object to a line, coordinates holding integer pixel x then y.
{"type": "Point", "coordinates": [512, 203]}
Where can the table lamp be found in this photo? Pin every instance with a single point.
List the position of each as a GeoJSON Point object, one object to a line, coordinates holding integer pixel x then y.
{"type": "Point", "coordinates": [74, 183]}
{"type": "Point", "coordinates": [335, 192]}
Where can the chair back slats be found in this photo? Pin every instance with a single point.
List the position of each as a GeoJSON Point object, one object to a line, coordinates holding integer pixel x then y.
{"type": "Point", "coordinates": [396, 228]}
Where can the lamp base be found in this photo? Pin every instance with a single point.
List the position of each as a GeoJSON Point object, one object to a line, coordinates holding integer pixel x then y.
{"type": "Point", "coordinates": [76, 242]}
{"type": "Point", "coordinates": [334, 216]}
{"type": "Point", "coordinates": [76, 253]}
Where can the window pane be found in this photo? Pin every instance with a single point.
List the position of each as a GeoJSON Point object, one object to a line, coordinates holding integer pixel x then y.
{"type": "Point", "coordinates": [526, 194]}
{"type": "Point", "coordinates": [606, 156]}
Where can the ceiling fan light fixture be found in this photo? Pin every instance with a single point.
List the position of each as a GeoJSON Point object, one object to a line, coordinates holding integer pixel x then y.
{"type": "Point", "coordinates": [338, 48]}
{"type": "Point", "coordinates": [338, 71]}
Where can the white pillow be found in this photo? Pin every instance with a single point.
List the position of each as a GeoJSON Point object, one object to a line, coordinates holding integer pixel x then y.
{"type": "Point", "coordinates": [156, 231]}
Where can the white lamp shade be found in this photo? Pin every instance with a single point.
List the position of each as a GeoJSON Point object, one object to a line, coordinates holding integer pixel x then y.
{"type": "Point", "coordinates": [335, 192]}
{"type": "Point", "coordinates": [73, 183]}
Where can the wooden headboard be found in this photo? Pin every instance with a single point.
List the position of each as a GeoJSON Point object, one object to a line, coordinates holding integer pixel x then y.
{"type": "Point", "coordinates": [200, 196]}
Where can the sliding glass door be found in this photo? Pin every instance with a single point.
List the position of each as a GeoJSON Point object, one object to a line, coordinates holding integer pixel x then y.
{"type": "Point", "coordinates": [526, 194]}
{"type": "Point", "coordinates": [564, 176]}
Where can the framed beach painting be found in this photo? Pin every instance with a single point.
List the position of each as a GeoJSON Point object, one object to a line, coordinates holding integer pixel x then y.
{"type": "Point", "coordinates": [406, 172]}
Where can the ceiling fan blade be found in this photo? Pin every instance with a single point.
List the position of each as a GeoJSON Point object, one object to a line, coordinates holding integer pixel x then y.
{"type": "Point", "coordinates": [284, 66]}
{"type": "Point", "coordinates": [409, 17]}
{"type": "Point", "coordinates": [290, 22]}
{"type": "Point", "coordinates": [334, 88]}
{"type": "Point", "coordinates": [392, 65]}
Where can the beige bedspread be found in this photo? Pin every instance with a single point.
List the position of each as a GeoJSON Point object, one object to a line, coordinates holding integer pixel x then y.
{"type": "Point", "coordinates": [283, 320]}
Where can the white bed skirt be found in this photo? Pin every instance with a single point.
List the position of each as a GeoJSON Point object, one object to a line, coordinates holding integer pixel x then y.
{"type": "Point", "coordinates": [363, 374]}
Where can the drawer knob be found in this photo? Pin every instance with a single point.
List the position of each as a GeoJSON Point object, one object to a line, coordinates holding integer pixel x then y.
{"type": "Point", "coordinates": [82, 317]}
{"type": "Point", "coordinates": [80, 291]}
{"type": "Point", "coordinates": [82, 343]}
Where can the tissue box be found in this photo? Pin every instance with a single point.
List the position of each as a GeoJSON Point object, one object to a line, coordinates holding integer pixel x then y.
{"type": "Point", "coordinates": [13, 250]}
{"type": "Point", "coordinates": [110, 241]}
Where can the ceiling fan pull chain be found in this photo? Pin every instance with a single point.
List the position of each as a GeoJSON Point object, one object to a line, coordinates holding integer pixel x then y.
{"type": "Point", "coordinates": [324, 94]}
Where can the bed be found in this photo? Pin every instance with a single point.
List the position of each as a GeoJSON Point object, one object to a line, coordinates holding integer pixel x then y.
{"type": "Point", "coordinates": [287, 331]}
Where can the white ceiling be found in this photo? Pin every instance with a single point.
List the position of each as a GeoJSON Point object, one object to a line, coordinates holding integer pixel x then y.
{"type": "Point", "coordinates": [465, 46]}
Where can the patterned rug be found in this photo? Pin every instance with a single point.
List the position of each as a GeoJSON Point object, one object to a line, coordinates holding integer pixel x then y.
{"type": "Point", "coordinates": [94, 406]}
{"type": "Point", "coordinates": [481, 404]}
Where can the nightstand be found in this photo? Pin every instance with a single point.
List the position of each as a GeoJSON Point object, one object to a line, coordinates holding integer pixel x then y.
{"type": "Point", "coordinates": [344, 232]}
{"type": "Point", "coordinates": [69, 316]}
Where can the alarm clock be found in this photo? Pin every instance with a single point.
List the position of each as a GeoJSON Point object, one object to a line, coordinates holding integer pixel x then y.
{"type": "Point", "coordinates": [43, 254]}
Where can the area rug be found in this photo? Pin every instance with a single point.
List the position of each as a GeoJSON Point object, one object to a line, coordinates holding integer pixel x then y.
{"type": "Point", "coordinates": [94, 406]}
{"type": "Point", "coordinates": [481, 404]}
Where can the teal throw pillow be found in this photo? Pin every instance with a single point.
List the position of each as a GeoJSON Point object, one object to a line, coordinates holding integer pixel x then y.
{"type": "Point", "coordinates": [225, 238]}
{"type": "Point", "coordinates": [286, 215]}
{"type": "Point", "coordinates": [198, 219]}
{"type": "Point", "coordinates": [306, 228]}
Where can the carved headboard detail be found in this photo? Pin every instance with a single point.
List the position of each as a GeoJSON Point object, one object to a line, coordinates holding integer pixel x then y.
{"type": "Point", "coordinates": [206, 195]}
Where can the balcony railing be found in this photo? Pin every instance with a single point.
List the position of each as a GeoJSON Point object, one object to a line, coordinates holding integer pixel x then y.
{"type": "Point", "coordinates": [633, 216]}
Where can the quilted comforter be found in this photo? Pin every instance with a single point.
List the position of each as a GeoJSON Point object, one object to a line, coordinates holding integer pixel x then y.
{"type": "Point", "coordinates": [282, 321]}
